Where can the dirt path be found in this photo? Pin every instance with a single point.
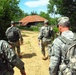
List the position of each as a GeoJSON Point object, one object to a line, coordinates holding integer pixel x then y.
{"type": "Point", "coordinates": [31, 55]}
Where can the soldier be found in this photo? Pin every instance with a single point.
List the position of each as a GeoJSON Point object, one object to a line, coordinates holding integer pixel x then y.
{"type": "Point", "coordinates": [44, 38]}
{"type": "Point", "coordinates": [14, 37]}
{"type": "Point", "coordinates": [56, 54]}
{"type": "Point", "coordinates": [9, 60]}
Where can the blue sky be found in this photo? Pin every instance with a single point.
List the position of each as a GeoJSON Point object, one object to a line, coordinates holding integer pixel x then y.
{"type": "Point", "coordinates": [33, 5]}
{"type": "Point", "coordinates": [29, 6]}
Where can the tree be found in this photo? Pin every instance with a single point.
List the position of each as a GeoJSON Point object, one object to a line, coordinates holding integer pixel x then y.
{"type": "Point", "coordinates": [33, 13]}
{"type": "Point", "coordinates": [53, 21]}
{"type": "Point", "coordinates": [23, 14]}
{"type": "Point", "coordinates": [26, 14]}
{"type": "Point", "coordinates": [9, 10]}
{"type": "Point", "coordinates": [64, 7]}
{"type": "Point", "coordinates": [45, 15]}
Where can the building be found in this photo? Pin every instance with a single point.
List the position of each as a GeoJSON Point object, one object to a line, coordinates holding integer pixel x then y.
{"type": "Point", "coordinates": [32, 20]}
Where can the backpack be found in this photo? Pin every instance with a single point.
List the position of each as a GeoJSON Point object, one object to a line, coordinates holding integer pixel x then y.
{"type": "Point", "coordinates": [13, 35]}
{"type": "Point", "coordinates": [68, 65]}
{"type": "Point", "coordinates": [47, 32]}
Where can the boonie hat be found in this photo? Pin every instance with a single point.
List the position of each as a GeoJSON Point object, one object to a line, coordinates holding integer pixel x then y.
{"type": "Point", "coordinates": [63, 21]}
{"type": "Point", "coordinates": [12, 22]}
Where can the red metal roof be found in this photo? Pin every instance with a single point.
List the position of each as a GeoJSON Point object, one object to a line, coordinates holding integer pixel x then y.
{"type": "Point", "coordinates": [32, 18]}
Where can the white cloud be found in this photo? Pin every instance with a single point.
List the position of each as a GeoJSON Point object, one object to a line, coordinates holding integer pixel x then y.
{"type": "Point", "coordinates": [36, 3]}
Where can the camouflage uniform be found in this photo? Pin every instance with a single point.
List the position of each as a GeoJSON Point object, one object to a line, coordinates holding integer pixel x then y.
{"type": "Point", "coordinates": [17, 43]}
{"type": "Point", "coordinates": [57, 47]}
{"type": "Point", "coordinates": [8, 59]}
{"type": "Point", "coordinates": [56, 52]}
{"type": "Point", "coordinates": [45, 41]}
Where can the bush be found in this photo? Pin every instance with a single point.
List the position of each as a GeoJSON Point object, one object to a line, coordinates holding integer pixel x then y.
{"type": "Point", "coordinates": [37, 28]}
{"type": "Point", "coordinates": [32, 28]}
{"type": "Point", "coordinates": [55, 29]}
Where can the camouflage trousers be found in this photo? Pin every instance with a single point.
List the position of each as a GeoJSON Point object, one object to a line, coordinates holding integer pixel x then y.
{"type": "Point", "coordinates": [44, 45]}
{"type": "Point", "coordinates": [16, 47]}
{"type": "Point", "coordinates": [6, 72]}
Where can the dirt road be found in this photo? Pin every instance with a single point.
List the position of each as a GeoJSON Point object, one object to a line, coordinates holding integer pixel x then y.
{"type": "Point", "coordinates": [31, 55]}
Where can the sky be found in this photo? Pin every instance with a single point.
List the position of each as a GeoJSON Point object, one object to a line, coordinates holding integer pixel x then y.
{"type": "Point", "coordinates": [29, 6]}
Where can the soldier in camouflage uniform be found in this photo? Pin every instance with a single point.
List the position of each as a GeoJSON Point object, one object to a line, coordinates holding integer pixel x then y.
{"type": "Point", "coordinates": [56, 57]}
{"type": "Point", "coordinates": [19, 41]}
{"type": "Point", "coordinates": [44, 38]}
{"type": "Point", "coordinates": [9, 60]}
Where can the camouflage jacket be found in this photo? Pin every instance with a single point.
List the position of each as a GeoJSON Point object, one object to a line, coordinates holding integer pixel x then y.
{"type": "Point", "coordinates": [56, 52]}
{"type": "Point", "coordinates": [8, 59]}
{"type": "Point", "coordinates": [43, 32]}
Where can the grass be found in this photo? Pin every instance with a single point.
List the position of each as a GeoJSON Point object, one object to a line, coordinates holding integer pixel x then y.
{"type": "Point", "coordinates": [37, 28]}
{"type": "Point", "coordinates": [30, 29]}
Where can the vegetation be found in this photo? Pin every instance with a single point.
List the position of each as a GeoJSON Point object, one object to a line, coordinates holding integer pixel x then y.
{"type": "Point", "coordinates": [33, 28]}
{"type": "Point", "coordinates": [45, 15]}
{"type": "Point", "coordinates": [9, 10]}
{"type": "Point", "coordinates": [33, 13]}
{"type": "Point", "coordinates": [65, 8]}
{"type": "Point", "coordinates": [37, 28]}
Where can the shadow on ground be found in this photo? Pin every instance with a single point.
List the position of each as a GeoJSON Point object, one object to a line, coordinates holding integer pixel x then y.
{"type": "Point", "coordinates": [23, 35]}
{"type": "Point", "coordinates": [28, 55]}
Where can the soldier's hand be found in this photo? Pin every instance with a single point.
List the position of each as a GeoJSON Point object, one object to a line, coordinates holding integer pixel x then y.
{"type": "Point", "coordinates": [23, 72]}
{"type": "Point", "coordinates": [21, 42]}
{"type": "Point", "coordinates": [38, 42]}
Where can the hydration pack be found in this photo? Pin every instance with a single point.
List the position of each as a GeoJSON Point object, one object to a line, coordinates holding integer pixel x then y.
{"type": "Point", "coordinates": [13, 35]}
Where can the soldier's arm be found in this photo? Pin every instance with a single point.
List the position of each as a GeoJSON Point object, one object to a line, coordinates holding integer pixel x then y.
{"type": "Point", "coordinates": [20, 35]}
{"type": "Point", "coordinates": [7, 31]}
{"type": "Point", "coordinates": [40, 34]}
{"type": "Point", "coordinates": [52, 34]}
{"type": "Point", "coordinates": [54, 59]}
{"type": "Point", "coordinates": [12, 58]}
